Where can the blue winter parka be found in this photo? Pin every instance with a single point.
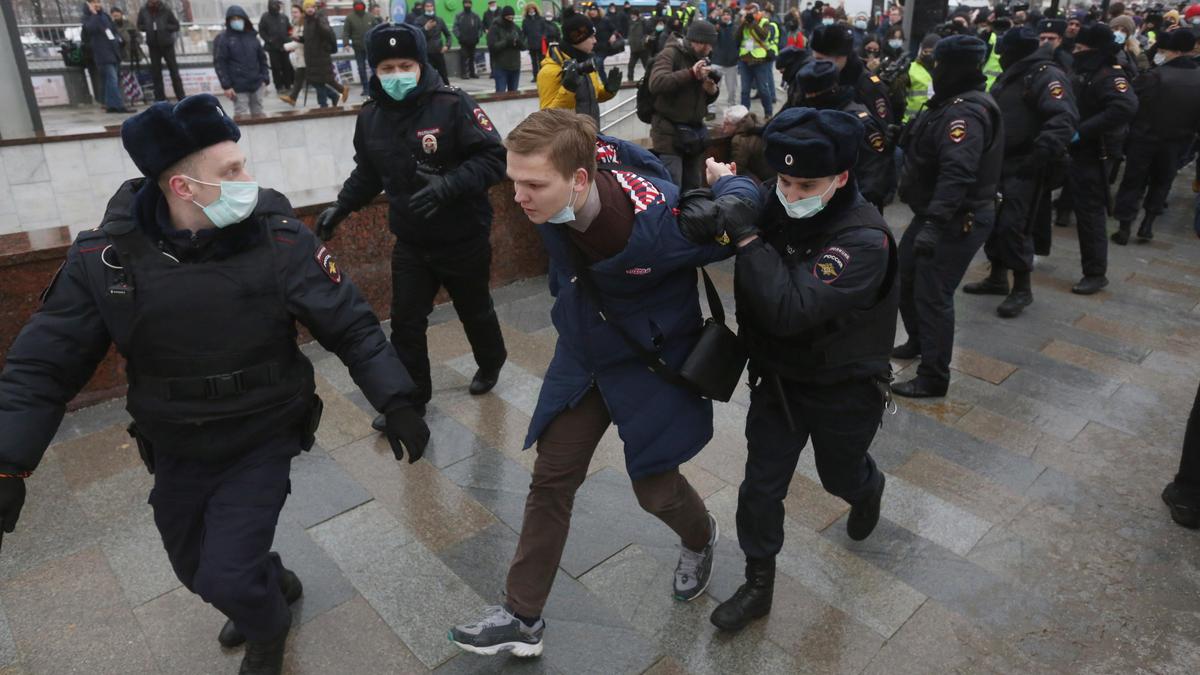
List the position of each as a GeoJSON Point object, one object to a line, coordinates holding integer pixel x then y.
{"type": "Point", "coordinates": [649, 289]}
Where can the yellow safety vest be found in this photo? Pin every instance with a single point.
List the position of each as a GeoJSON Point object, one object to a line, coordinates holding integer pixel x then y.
{"type": "Point", "coordinates": [992, 68]}
{"type": "Point", "coordinates": [751, 46]}
{"type": "Point", "coordinates": [920, 88]}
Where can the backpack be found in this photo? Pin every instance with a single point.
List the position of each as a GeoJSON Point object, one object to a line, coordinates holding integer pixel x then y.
{"type": "Point", "coordinates": [645, 100]}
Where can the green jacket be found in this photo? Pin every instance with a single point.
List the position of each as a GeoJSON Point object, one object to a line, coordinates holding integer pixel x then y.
{"type": "Point", "coordinates": [356, 27]}
{"type": "Point", "coordinates": [506, 43]}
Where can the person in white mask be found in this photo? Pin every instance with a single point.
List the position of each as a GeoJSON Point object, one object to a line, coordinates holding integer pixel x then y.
{"type": "Point", "coordinates": [817, 296]}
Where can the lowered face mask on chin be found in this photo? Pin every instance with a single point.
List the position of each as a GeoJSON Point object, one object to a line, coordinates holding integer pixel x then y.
{"type": "Point", "coordinates": [566, 215]}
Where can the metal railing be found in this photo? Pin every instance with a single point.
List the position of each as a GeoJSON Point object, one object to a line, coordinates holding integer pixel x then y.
{"type": "Point", "coordinates": [605, 125]}
{"type": "Point", "coordinates": [41, 41]}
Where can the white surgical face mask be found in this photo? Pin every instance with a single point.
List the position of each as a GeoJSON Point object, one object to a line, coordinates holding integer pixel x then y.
{"type": "Point", "coordinates": [827, 21]}
{"type": "Point", "coordinates": [805, 207]}
{"type": "Point", "coordinates": [567, 213]}
{"type": "Point", "coordinates": [861, 25]}
{"type": "Point", "coordinates": [236, 203]}
{"type": "Point", "coordinates": [895, 44]}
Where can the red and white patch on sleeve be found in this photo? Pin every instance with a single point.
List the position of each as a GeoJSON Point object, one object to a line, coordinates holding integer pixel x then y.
{"type": "Point", "coordinates": [958, 130]}
{"type": "Point", "coordinates": [1121, 84]}
{"type": "Point", "coordinates": [482, 120]}
{"type": "Point", "coordinates": [325, 259]}
{"type": "Point", "coordinates": [876, 141]}
{"type": "Point", "coordinates": [606, 153]}
{"type": "Point", "coordinates": [1056, 90]}
{"type": "Point", "coordinates": [641, 192]}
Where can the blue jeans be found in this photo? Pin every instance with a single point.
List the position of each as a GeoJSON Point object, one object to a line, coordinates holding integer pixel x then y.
{"type": "Point", "coordinates": [506, 80]}
{"type": "Point", "coordinates": [113, 98]}
{"type": "Point", "coordinates": [759, 76]}
{"type": "Point", "coordinates": [326, 94]}
{"type": "Point", "coordinates": [364, 71]}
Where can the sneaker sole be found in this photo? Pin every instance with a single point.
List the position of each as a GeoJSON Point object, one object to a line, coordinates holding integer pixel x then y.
{"type": "Point", "coordinates": [522, 649]}
{"type": "Point", "coordinates": [700, 591]}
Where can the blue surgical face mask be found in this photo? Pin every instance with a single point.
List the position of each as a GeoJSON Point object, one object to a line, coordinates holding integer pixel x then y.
{"type": "Point", "coordinates": [827, 21]}
{"type": "Point", "coordinates": [236, 203]}
{"type": "Point", "coordinates": [895, 44]}
{"type": "Point", "coordinates": [1119, 37]}
{"type": "Point", "coordinates": [806, 207]}
{"type": "Point", "coordinates": [861, 25]}
{"type": "Point", "coordinates": [237, 24]}
{"type": "Point", "coordinates": [398, 85]}
{"type": "Point", "coordinates": [567, 213]}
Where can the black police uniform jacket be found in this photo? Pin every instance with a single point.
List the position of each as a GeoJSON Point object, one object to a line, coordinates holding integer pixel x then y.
{"type": "Point", "coordinates": [869, 90]}
{"type": "Point", "coordinates": [1107, 104]}
{"type": "Point", "coordinates": [817, 298]}
{"type": "Point", "coordinates": [953, 152]}
{"type": "Point", "coordinates": [875, 170]}
{"type": "Point", "coordinates": [1038, 107]}
{"type": "Point", "coordinates": [206, 324]}
{"type": "Point", "coordinates": [1168, 103]}
{"type": "Point", "coordinates": [437, 129]}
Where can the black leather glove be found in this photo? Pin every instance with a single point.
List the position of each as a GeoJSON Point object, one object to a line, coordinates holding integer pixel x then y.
{"type": "Point", "coordinates": [571, 78]}
{"type": "Point", "coordinates": [426, 201]}
{"type": "Point", "coordinates": [406, 430]}
{"type": "Point", "coordinates": [927, 239]}
{"type": "Point", "coordinates": [737, 217]}
{"type": "Point", "coordinates": [613, 82]}
{"type": "Point", "coordinates": [12, 498]}
{"type": "Point", "coordinates": [329, 219]}
{"type": "Point", "coordinates": [698, 219]}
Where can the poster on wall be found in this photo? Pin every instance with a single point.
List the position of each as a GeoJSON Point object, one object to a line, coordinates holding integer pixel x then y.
{"type": "Point", "coordinates": [50, 90]}
{"type": "Point", "coordinates": [198, 80]}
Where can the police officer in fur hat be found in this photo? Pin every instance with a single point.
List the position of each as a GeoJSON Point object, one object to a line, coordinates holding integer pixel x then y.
{"type": "Point", "coordinates": [835, 43]}
{"type": "Point", "coordinates": [434, 152]}
{"type": "Point", "coordinates": [198, 276]}
{"type": "Point", "coordinates": [816, 289]}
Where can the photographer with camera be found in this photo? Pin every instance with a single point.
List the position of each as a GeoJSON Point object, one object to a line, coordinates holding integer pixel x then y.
{"type": "Point", "coordinates": [568, 79]}
{"type": "Point", "coordinates": [683, 83]}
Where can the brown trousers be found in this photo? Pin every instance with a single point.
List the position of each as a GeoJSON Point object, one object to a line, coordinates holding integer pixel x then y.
{"type": "Point", "coordinates": [564, 452]}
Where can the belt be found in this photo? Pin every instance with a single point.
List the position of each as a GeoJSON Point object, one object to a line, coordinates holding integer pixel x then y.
{"type": "Point", "coordinates": [208, 387]}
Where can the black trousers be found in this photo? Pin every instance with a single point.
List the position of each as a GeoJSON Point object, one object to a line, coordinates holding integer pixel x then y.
{"type": "Point", "coordinates": [281, 70]}
{"type": "Point", "coordinates": [1189, 462]}
{"type": "Point", "coordinates": [841, 419]}
{"type": "Point", "coordinates": [464, 271]}
{"type": "Point", "coordinates": [1011, 241]}
{"type": "Point", "coordinates": [466, 57]}
{"type": "Point", "coordinates": [157, 56]}
{"type": "Point", "coordinates": [217, 522]}
{"type": "Point", "coordinates": [927, 286]}
{"type": "Point", "coordinates": [1150, 168]}
{"type": "Point", "coordinates": [438, 61]}
{"type": "Point", "coordinates": [635, 58]}
{"type": "Point", "coordinates": [1087, 180]}
{"type": "Point", "coordinates": [687, 171]}
{"type": "Point", "coordinates": [535, 57]}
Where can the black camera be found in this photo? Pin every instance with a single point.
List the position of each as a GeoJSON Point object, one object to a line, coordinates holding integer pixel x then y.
{"type": "Point", "coordinates": [587, 66]}
{"type": "Point", "coordinates": [714, 75]}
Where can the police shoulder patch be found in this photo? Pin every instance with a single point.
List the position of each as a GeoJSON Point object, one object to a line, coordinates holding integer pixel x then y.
{"type": "Point", "coordinates": [881, 107]}
{"type": "Point", "coordinates": [831, 263]}
{"type": "Point", "coordinates": [876, 140]}
{"type": "Point", "coordinates": [957, 130]}
{"type": "Point", "coordinates": [482, 120]}
{"type": "Point", "coordinates": [1056, 89]}
{"type": "Point", "coordinates": [1121, 84]}
{"type": "Point", "coordinates": [328, 265]}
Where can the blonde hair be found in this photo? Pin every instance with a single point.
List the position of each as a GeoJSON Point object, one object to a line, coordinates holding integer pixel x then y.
{"type": "Point", "coordinates": [567, 138]}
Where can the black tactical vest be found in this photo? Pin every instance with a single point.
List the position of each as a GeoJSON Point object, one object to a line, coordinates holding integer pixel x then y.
{"type": "Point", "coordinates": [856, 344]}
{"type": "Point", "coordinates": [209, 346]}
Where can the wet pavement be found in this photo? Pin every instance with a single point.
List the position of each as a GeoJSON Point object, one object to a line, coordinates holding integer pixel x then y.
{"type": "Point", "coordinates": [1022, 528]}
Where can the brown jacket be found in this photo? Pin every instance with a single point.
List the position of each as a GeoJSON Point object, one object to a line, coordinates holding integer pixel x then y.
{"type": "Point", "coordinates": [749, 150]}
{"type": "Point", "coordinates": [679, 98]}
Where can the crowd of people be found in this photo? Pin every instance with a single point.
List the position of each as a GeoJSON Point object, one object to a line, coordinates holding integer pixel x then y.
{"type": "Point", "coordinates": [1009, 107]}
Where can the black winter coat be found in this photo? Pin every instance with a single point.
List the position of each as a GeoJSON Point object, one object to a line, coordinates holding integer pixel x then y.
{"type": "Point", "coordinates": [160, 27]}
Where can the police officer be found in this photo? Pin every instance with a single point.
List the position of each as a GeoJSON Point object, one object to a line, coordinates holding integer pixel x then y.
{"type": "Point", "coordinates": [435, 153]}
{"type": "Point", "coordinates": [816, 301]}
{"type": "Point", "coordinates": [835, 43]}
{"type": "Point", "coordinates": [1051, 32]}
{"type": "Point", "coordinates": [1107, 104]}
{"type": "Point", "coordinates": [875, 172]}
{"type": "Point", "coordinates": [1182, 495]}
{"type": "Point", "coordinates": [1167, 120]}
{"type": "Point", "coordinates": [1040, 117]}
{"type": "Point", "coordinates": [952, 156]}
{"type": "Point", "coordinates": [198, 277]}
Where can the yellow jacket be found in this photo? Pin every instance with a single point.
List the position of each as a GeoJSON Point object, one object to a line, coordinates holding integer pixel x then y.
{"type": "Point", "coordinates": [551, 93]}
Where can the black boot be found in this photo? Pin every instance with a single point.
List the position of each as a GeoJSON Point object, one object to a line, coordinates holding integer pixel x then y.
{"type": "Point", "coordinates": [751, 601]}
{"type": "Point", "coordinates": [1090, 285]}
{"type": "Point", "coordinates": [995, 283]}
{"type": "Point", "coordinates": [1062, 218]}
{"type": "Point", "coordinates": [1121, 236]}
{"type": "Point", "coordinates": [380, 422]}
{"type": "Point", "coordinates": [1184, 505]}
{"type": "Point", "coordinates": [484, 380]}
{"type": "Point", "coordinates": [864, 516]}
{"type": "Point", "coordinates": [265, 658]}
{"type": "Point", "coordinates": [1020, 298]}
{"type": "Point", "coordinates": [289, 583]}
{"type": "Point", "coordinates": [1146, 229]}
{"type": "Point", "coordinates": [908, 350]}
{"type": "Point", "coordinates": [920, 388]}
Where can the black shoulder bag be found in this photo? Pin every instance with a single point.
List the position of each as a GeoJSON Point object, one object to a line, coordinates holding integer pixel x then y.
{"type": "Point", "coordinates": [716, 362]}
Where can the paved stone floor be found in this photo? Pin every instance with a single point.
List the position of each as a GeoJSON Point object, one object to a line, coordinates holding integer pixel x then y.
{"type": "Point", "coordinates": [1022, 530]}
